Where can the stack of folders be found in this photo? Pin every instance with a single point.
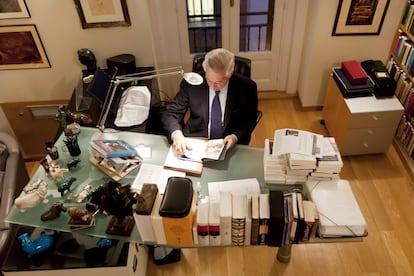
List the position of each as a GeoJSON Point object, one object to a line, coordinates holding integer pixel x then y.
{"type": "Point", "coordinates": [350, 90]}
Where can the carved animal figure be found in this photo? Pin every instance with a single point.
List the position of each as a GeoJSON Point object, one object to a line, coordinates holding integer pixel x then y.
{"type": "Point", "coordinates": [30, 200]}
{"type": "Point", "coordinates": [33, 247]}
{"type": "Point", "coordinates": [53, 212]}
{"type": "Point", "coordinates": [64, 185]}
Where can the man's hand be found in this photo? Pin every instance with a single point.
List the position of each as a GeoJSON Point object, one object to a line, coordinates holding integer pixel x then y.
{"type": "Point", "coordinates": [230, 141]}
{"type": "Point", "coordinates": [179, 143]}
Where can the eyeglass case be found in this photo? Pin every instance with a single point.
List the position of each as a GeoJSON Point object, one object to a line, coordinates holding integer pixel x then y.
{"type": "Point", "coordinates": [177, 199]}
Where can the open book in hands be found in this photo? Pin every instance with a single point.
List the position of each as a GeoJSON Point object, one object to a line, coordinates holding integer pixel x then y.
{"type": "Point", "coordinates": [201, 150]}
{"type": "Point", "coordinates": [192, 161]}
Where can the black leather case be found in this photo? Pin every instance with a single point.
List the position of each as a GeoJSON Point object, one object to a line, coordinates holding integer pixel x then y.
{"type": "Point", "coordinates": [177, 199]}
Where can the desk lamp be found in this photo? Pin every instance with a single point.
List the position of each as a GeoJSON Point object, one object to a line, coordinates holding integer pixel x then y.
{"type": "Point", "coordinates": [191, 78]}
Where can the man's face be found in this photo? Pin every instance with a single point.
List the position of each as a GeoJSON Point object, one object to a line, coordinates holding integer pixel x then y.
{"type": "Point", "coordinates": [216, 80]}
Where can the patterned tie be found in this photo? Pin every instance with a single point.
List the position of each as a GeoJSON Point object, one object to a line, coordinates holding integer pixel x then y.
{"type": "Point", "coordinates": [216, 129]}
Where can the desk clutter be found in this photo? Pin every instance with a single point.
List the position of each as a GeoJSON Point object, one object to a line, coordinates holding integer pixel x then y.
{"type": "Point", "coordinates": [295, 156]}
{"type": "Point", "coordinates": [368, 78]}
{"type": "Point", "coordinates": [165, 207]}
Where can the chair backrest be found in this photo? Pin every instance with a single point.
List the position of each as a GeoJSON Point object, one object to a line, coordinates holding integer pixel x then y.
{"type": "Point", "coordinates": [242, 65]}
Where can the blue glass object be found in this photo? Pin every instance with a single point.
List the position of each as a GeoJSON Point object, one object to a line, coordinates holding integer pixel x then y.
{"type": "Point", "coordinates": [33, 247]}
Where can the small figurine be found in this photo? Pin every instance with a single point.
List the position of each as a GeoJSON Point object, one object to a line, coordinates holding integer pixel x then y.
{"type": "Point", "coordinates": [53, 212]}
{"type": "Point", "coordinates": [39, 245]}
{"type": "Point", "coordinates": [85, 193]}
{"type": "Point", "coordinates": [73, 163]}
{"type": "Point", "coordinates": [64, 185]}
{"type": "Point", "coordinates": [53, 169]}
{"type": "Point", "coordinates": [30, 200]}
{"type": "Point", "coordinates": [79, 216]}
{"type": "Point", "coordinates": [31, 187]}
{"type": "Point", "coordinates": [104, 242]}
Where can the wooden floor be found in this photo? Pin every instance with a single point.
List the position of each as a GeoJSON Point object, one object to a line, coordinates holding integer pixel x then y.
{"type": "Point", "coordinates": [385, 195]}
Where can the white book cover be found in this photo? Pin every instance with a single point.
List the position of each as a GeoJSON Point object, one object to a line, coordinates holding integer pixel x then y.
{"type": "Point", "coordinates": [225, 217]}
{"type": "Point", "coordinates": [145, 229]}
{"type": "Point", "coordinates": [338, 211]}
{"type": "Point", "coordinates": [157, 224]}
{"type": "Point", "coordinates": [294, 140]}
{"type": "Point", "coordinates": [202, 222]}
{"type": "Point", "coordinates": [248, 225]}
{"type": "Point", "coordinates": [241, 186]}
{"type": "Point", "coordinates": [214, 223]}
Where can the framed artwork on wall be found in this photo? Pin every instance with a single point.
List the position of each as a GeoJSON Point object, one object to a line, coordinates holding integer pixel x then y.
{"type": "Point", "coordinates": [21, 48]}
{"type": "Point", "coordinates": [13, 9]}
{"type": "Point", "coordinates": [103, 13]}
{"type": "Point", "coordinates": [360, 17]}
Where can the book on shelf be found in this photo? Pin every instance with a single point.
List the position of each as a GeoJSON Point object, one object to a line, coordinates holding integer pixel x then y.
{"type": "Point", "coordinates": [248, 225]}
{"type": "Point", "coordinates": [276, 218]}
{"type": "Point", "coordinates": [309, 210]}
{"type": "Point", "coordinates": [264, 214]}
{"type": "Point", "coordinates": [225, 217]}
{"type": "Point", "coordinates": [143, 210]}
{"type": "Point", "coordinates": [156, 222]}
{"type": "Point", "coordinates": [214, 231]}
{"type": "Point", "coordinates": [202, 222]}
{"type": "Point", "coordinates": [254, 236]}
{"type": "Point", "coordinates": [113, 148]}
{"type": "Point", "coordinates": [238, 219]}
{"type": "Point", "coordinates": [106, 165]}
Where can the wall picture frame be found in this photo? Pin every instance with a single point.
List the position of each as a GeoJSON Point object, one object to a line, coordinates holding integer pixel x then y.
{"type": "Point", "coordinates": [360, 17]}
{"type": "Point", "coordinates": [21, 48]}
{"type": "Point", "coordinates": [10, 9]}
{"type": "Point", "coordinates": [103, 13]}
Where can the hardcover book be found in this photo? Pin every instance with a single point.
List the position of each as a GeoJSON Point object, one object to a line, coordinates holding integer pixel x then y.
{"type": "Point", "coordinates": [276, 219]}
{"type": "Point", "coordinates": [113, 148]}
{"type": "Point", "coordinates": [192, 160]}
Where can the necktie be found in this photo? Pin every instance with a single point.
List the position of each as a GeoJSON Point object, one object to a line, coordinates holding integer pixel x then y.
{"type": "Point", "coordinates": [216, 129]}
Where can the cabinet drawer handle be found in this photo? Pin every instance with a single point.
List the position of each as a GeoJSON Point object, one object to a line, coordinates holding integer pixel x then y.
{"type": "Point", "coordinates": [370, 132]}
{"type": "Point", "coordinates": [365, 145]}
{"type": "Point", "coordinates": [375, 118]}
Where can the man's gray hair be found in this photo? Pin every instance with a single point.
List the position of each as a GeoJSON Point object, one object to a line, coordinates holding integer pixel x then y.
{"type": "Point", "coordinates": [219, 59]}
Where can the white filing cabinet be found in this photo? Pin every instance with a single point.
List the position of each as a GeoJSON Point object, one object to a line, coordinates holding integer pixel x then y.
{"type": "Point", "coordinates": [362, 125]}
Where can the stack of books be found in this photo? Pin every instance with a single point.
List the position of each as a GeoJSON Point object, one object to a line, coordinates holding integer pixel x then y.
{"type": "Point", "coordinates": [116, 158]}
{"type": "Point", "coordinates": [350, 90]}
{"type": "Point", "coordinates": [295, 156]}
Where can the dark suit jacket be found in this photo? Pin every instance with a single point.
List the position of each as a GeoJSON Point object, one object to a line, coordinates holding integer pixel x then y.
{"type": "Point", "coordinates": [240, 113]}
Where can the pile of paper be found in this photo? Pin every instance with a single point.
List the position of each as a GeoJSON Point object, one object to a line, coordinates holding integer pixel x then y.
{"type": "Point", "coordinates": [295, 156]}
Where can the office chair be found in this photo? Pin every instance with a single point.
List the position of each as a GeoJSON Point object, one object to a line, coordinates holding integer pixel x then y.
{"type": "Point", "coordinates": [242, 66]}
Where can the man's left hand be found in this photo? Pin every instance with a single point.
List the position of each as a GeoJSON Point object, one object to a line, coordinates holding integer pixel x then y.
{"type": "Point", "coordinates": [230, 141]}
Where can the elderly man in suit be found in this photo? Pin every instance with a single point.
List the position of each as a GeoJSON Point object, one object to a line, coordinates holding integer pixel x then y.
{"type": "Point", "coordinates": [223, 106]}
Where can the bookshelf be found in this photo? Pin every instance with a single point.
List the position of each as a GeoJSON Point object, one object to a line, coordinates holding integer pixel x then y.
{"type": "Point", "coordinates": [401, 68]}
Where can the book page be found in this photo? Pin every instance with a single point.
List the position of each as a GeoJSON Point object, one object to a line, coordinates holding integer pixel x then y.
{"type": "Point", "coordinates": [176, 162]}
{"type": "Point", "coordinates": [154, 174]}
{"type": "Point", "coordinates": [202, 149]}
{"type": "Point", "coordinates": [297, 141]}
